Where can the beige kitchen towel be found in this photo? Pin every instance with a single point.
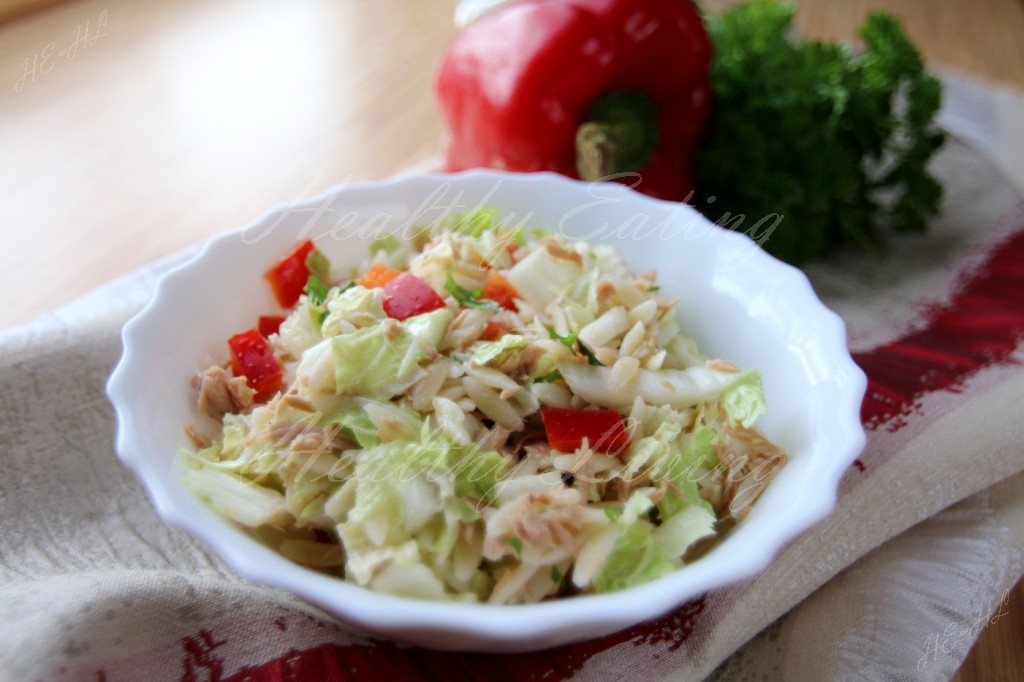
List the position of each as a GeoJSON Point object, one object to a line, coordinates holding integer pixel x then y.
{"type": "Point", "coordinates": [94, 586]}
{"type": "Point", "coordinates": [910, 609]}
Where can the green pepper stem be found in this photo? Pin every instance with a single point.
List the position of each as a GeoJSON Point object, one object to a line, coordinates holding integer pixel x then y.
{"type": "Point", "coordinates": [619, 135]}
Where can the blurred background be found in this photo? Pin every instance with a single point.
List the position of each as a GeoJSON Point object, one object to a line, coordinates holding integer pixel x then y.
{"type": "Point", "coordinates": [129, 130]}
{"type": "Point", "coordinates": [132, 130]}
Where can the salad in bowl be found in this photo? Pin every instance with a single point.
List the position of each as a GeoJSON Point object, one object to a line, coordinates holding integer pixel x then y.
{"type": "Point", "coordinates": [478, 413]}
{"type": "Point", "coordinates": [402, 402]}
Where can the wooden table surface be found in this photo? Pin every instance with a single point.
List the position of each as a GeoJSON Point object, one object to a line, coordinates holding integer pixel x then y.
{"type": "Point", "coordinates": [129, 130]}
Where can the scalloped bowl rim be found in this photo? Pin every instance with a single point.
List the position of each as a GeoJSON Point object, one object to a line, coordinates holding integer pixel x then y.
{"type": "Point", "coordinates": [486, 627]}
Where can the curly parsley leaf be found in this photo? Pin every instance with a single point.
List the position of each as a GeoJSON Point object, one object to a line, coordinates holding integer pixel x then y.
{"type": "Point", "coordinates": [815, 146]}
{"type": "Point", "coordinates": [551, 377]}
{"type": "Point", "coordinates": [567, 341]}
{"type": "Point", "coordinates": [316, 292]}
{"type": "Point", "coordinates": [466, 297]}
{"type": "Point", "coordinates": [573, 343]}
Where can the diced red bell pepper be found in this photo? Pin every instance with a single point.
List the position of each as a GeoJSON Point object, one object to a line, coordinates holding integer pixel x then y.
{"type": "Point", "coordinates": [494, 330]}
{"type": "Point", "coordinates": [253, 358]}
{"type": "Point", "coordinates": [270, 324]}
{"type": "Point", "coordinates": [498, 289]}
{"type": "Point", "coordinates": [377, 276]}
{"type": "Point", "coordinates": [407, 296]}
{"type": "Point", "coordinates": [288, 278]}
{"type": "Point", "coordinates": [566, 428]}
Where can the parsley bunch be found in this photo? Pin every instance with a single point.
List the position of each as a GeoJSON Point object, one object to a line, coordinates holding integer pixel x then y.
{"type": "Point", "coordinates": [835, 142]}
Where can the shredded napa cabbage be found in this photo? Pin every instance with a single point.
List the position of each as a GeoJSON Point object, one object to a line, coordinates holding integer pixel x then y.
{"type": "Point", "coordinates": [413, 456]}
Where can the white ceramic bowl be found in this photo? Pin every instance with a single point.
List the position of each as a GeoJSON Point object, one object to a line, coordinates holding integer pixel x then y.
{"type": "Point", "coordinates": [739, 304]}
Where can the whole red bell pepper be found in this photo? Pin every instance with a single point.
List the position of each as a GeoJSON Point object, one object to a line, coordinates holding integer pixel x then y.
{"type": "Point", "coordinates": [586, 88]}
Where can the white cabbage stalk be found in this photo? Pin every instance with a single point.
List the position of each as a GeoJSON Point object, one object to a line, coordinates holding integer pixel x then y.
{"type": "Point", "coordinates": [317, 366]}
{"type": "Point", "coordinates": [540, 277]}
{"type": "Point", "coordinates": [538, 587]}
{"type": "Point", "coordinates": [298, 332]}
{"type": "Point", "coordinates": [675, 535]}
{"type": "Point", "coordinates": [512, 488]}
{"type": "Point", "coordinates": [511, 583]}
{"type": "Point", "coordinates": [452, 420]}
{"type": "Point", "coordinates": [393, 423]}
{"type": "Point", "coordinates": [593, 554]}
{"type": "Point", "coordinates": [420, 500]}
{"type": "Point", "coordinates": [242, 501]}
{"type": "Point", "coordinates": [637, 505]}
{"type": "Point", "coordinates": [357, 307]}
{"type": "Point", "coordinates": [487, 352]}
{"type": "Point", "coordinates": [341, 501]}
{"type": "Point", "coordinates": [467, 555]}
{"type": "Point", "coordinates": [411, 580]}
{"type": "Point", "coordinates": [676, 388]}
{"type": "Point", "coordinates": [433, 263]}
